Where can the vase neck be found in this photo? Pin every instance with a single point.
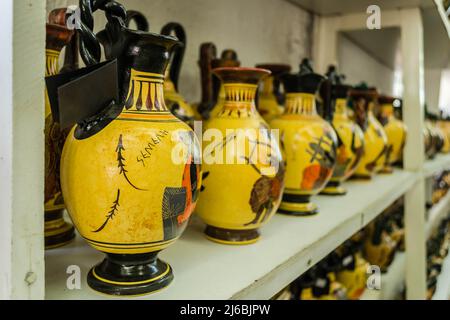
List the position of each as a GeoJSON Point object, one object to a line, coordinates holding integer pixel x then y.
{"type": "Point", "coordinates": [52, 62]}
{"type": "Point", "coordinates": [300, 103]}
{"type": "Point", "coordinates": [387, 110]}
{"type": "Point", "coordinates": [267, 88]}
{"type": "Point", "coordinates": [340, 107]}
{"type": "Point", "coordinates": [239, 96]}
{"type": "Point", "coordinates": [146, 92]}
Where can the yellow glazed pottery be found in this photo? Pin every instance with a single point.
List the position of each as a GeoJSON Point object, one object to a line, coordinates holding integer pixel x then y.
{"type": "Point", "coordinates": [129, 174]}
{"type": "Point", "coordinates": [269, 106]}
{"type": "Point", "coordinates": [443, 125]}
{"type": "Point", "coordinates": [350, 144]}
{"type": "Point", "coordinates": [242, 164]}
{"type": "Point", "coordinates": [395, 131]}
{"type": "Point", "coordinates": [375, 139]}
{"type": "Point", "coordinates": [57, 231]}
{"type": "Point", "coordinates": [307, 140]}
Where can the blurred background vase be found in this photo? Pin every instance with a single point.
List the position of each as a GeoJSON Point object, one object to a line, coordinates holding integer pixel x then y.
{"type": "Point", "coordinates": [395, 129]}
{"type": "Point", "coordinates": [57, 231]}
{"type": "Point", "coordinates": [270, 97]}
{"type": "Point", "coordinates": [241, 187]}
{"type": "Point", "coordinates": [307, 140]}
{"type": "Point", "coordinates": [350, 138]}
{"type": "Point", "coordinates": [375, 139]}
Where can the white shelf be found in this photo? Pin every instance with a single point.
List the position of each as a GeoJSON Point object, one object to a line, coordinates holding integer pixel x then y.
{"type": "Point", "coordinates": [443, 284]}
{"type": "Point", "coordinates": [289, 246]}
{"type": "Point", "coordinates": [443, 15]}
{"type": "Point", "coordinates": [392, 282]}
{"type": "Point", "coordinates": [436, 165]}
{"type": "Point", "coordinates": [436, 213]}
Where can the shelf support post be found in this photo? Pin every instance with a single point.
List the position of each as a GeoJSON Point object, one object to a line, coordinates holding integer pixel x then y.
{"type": "Point", "coordinates": [22, 61]}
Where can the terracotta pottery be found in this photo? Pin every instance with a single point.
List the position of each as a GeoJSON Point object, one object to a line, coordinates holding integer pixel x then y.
{"type": "Point", "coordinates": [350, 143]}
{"type": "Point", "coordinates": [270, 99]}
{"type": "Point", "coordinates": [395, 129]}
{"type": "Point", "coordinates": [174, 101]}
{"type": "Point", "coordinates": [242, 187]}
{"type": "Point", "coordinates": [308, 141]}
{"type": "Point", "coordinates": [213, 94]}
{"type": "Point", "coordinates": [375, 139]}
{"type": "Point", "coordinates": [57, 231]}
{"type": "Point", "coordinates": [125, 192]}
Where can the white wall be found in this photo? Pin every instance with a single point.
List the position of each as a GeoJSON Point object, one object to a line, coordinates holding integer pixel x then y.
{"type": "Point", "coordinates": [359, 66]}
{"type": "Point", "coordinates": [260, 30]}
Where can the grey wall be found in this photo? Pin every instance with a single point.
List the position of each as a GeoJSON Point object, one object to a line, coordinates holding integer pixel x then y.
{"type": "Point", "coordinates": [260, 30]}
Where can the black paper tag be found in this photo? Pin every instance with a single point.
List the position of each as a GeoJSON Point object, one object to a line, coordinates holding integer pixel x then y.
{"type": "Point", "coordinates": [78, 95]}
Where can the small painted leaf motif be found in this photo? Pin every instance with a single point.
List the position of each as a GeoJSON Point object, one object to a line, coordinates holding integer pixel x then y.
{"type": "Point", "coordinates": [111, 213]}
{"type": "Point", "coordinates": [121, 163]}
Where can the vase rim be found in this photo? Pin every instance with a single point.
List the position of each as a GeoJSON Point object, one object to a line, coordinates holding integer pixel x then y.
{"type": "Point", "coordinates": [247, 75]}
{"type": "Point", "coordinates": [275, 68]}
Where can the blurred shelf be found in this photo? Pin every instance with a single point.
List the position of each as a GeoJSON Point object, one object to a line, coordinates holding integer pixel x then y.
{"type": "Point", "coordinates": [439, 163]}
{"type": "Point", "coordinates": [437, 213]}
{"type": "Point", "coordinates": [392, 282]}
{"type": "Point", "coordinates": [288, 247]}
{"type": "Point", "coordinates": [443, 285]}
{"type": "Point", "coordinates": [444, 16]}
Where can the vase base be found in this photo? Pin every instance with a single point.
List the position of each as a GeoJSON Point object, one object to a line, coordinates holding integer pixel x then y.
{"type": "Point", "coordinates": [297, 205]}
{"type": "Point", "coordinates": [361, 177]}
{"type": "Point", "coordinates": [333, 188]}
{"type": "Point", "coordinates": [57, 231]}
{"type": "Point", "coordinates": [386, 170]}
{"type": "Point", "coordinates": [232, 237]}
{"type": "Point", "coordinates": [130, 274]}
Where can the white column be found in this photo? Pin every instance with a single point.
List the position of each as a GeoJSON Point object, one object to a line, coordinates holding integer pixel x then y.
{"type": "Point", "coordinates": [22, 62]}
{"type": "Point", "coordinates": [413, 99]}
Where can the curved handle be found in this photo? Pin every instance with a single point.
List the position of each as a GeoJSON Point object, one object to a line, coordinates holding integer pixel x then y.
{"type": "Point", "coordinates": [208, 52]}
{"type": "Point", "coordinates": [138, 18]}
{"type": "Point", "coordinates": [178, 53]}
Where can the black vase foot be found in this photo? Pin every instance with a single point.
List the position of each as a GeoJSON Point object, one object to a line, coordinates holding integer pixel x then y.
{"type": "Point", "coordinates": [233, 237]}
{"type": "Point", "coordinates": [297, 205]}
{"type": "Point", "coordinates": [130, 274]}
{"type": "Point", "coordinates": [57, 231]}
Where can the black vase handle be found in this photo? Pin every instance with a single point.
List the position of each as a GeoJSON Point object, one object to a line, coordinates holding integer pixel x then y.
{"type": "Point", "coordinates": [138, 18]}
{"type": "Point", "coordinates": [178, 55]}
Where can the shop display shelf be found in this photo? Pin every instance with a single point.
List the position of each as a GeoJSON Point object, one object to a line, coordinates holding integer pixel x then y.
{"type": "Point", "coordinates": [443, 284]}
{"type": "Point", "coordinates": [436, 213]}
{"type": "Point", "coordinates": [392, 282]}
{"type": "Point", "coordinates": [436, 165]}
{"type": "Point", "coordinates": [288, 247]}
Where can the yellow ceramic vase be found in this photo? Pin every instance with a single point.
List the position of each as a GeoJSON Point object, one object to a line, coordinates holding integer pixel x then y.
{"type": "Point", "coordinates": [353, 276]}
{"type": "Point", "coordinates": [308, 142]}
{"type": "Point", "coordinates": [445, 128]}
{"type": "Point", "coordinates": [242, 164]}
{"type": "Point", "coordinates": [269, 106]}
{"type": "Point", "coordinates": [395, 131]}
{"type": "Point", "coordinates": [350, 144]}
{"type": "Point", "coordinates": [131, 181]}
{"type": "Point", "coordinates": [375, 139]}
{"type": "Point", "coordinates": [57, 231]}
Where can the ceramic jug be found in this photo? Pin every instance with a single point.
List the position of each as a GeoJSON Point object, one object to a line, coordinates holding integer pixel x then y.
{"type": "Point", "coordinates": [350, 138]}
{"type": "Point", "coordinates": [127, 194]}
{"type": "Point", "coordinates": [375, 139]}
{"type": "Point", "coordinates": [213, 94]}
{"type": "Point", "coordinates": [57, 231]}
{"type": "Point", "coordinates": [174, 101]}
{"type": "Point", "coordinates": [307, 140]}
{"type": "Point", "coordinates": [270, 98]}
{"type": "Point", "coordinates": [395, 131]}
{"type": "Point", "coordinates": [243, 168]}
